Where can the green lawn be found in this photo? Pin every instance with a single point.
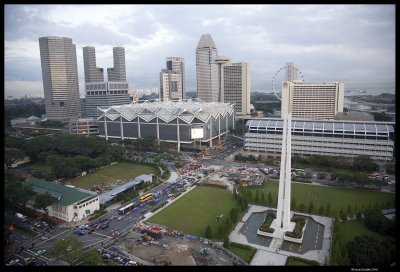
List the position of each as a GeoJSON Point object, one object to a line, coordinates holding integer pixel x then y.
{"type": "Point", "coordinates": [39, 166]}
{"type": "Point", "coordinates": [245, 254]}
{"type": "Point", "coordinates": [296, 263]}
{"type": "Point", "coordinates": [120, 171]}
{"type": "Point", "coordinates": [349, 230]}
{"type": "Point", "coordinates": [321, 195]}
{"type": "Point", "coordinates": [197, 209]}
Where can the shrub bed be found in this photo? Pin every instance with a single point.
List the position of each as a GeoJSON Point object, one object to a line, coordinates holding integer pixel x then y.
{"type": "Point", "coordinates": [298, 229]}
{"type": "Point", "coordinates": [268, 221]}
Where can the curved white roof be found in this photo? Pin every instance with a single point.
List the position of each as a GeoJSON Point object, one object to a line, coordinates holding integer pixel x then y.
{"type": "Point", "coordinates": [167, 110]}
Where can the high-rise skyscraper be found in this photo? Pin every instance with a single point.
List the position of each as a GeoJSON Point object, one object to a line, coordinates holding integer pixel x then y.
{"type": "Point", "coordinates": [172, 79]}
{"type": "Point", "coordinates": [234, 84]}
{"type": "Point", "coordinates": [118, 72]}
{"type": "Point", "coordinates": [60, 78]}
{"type": "Point", "coordinates": [290, 71]}
{"type": "Point", "coordinates": [103, 93]}
{"type": "Point", "coordinates": [207, 69]}
{"type": "Point", "coordinates": [92, 73]}
{"type": "Point", "coordinates": [312, 100]}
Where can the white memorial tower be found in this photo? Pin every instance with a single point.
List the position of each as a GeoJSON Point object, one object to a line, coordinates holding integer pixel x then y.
{"type": "Point", "coordinates": [282, 221]}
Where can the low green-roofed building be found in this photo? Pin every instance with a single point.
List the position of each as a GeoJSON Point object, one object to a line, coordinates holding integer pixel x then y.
{"type": "Point", "coordinates": [70, 204]}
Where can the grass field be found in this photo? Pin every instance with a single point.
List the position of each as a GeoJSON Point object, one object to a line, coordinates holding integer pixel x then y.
{"type": "Point", "coordinates": [349, 230]}
{"type": "Point", "coordinates": [296, 263]}
{"type": "Point", "coordinates": [39, 166]}
{"type": "Point", "coordinates": [197, 209]}
{"type": "Point", "coordinates": [120, 171]}
{"type": "Point", "coordinates": [245, 254]}
{"type": "Point", "coordinates": [321, 195]}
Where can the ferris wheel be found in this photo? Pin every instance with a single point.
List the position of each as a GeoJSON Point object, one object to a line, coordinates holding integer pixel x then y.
{"type": "Point", "coordinates": [299, 73]}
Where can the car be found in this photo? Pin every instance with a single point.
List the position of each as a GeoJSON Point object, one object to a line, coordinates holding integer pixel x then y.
{"type": "Point", "coordinates": [127, 213]}
{"type": "Point", "coordinates": [135, 209]}
{"type": "Point", "coordinates": [44, 238]}
{"type": "Point", "coordinates": [106, 256]}
{"type": "Point", "coordinates": [120, 218]}
{"type": "Point", "coordinates": [131, 263]}
{"type": "Point", "coordinates": [40, 252]}
{"type": "Point", "coordinates": [12, 262]}
{"type": "Point", "coordinates": [112, 218]}
{"type": "Point", "coordinates": [20, 249]}
{"type": "Point", "coordinates": [104, 226]}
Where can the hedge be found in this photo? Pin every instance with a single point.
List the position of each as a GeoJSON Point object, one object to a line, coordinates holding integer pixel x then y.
{"type": "Point", "coordinates": [310, 262]}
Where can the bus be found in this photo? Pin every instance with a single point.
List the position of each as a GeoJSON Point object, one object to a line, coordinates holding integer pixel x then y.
{"type": "Point", "coordinates": [126, 208]}
{"type": "Point", "coordinates": [145, 197]}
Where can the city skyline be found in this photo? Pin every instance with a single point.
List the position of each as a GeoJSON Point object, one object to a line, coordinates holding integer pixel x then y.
{"type": "Point", "coordinates": [353, 44]}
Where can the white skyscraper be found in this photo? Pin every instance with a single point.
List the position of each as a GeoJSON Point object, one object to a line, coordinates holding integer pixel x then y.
{"type": "Point", "coordinates": [172, 79]}
{"type": "Point", "coordinates": [60, 78]}
{"type": "Point", "coordinates": [312, 100]}
{"type": "Point", "coordinates": [235, 85]}
{"type": "Point", "coordinates": [92, 73]}
{"type": "Point", "coordinates": [100, 93]}
{"type": "Point", "coordinates": [118, 72]}
{"type": "Point", "coordinates": [290, 71]}
{"type": "Point", "coordinates": [207, 69]}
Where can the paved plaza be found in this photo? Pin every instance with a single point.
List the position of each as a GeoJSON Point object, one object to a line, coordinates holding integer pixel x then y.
{"type": "Point", "coordinates": [316, 243]}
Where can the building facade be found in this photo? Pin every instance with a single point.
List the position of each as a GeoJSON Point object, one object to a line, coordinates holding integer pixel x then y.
{"type": "Point", "coordinates": [84, 126]}
{"type": "Point", "coordinates": [290, 71]}
{"type": "Point", "coordinates": [312, 100]}
{"type": "Point", "coordinates": [235, 86]}
{"type": "Point", "coordinates": [167, 121]}
{"type": "Point", "coordinates": [170, 85]}
{"type": "Point", "coordinates": [60, 78]}
{"type": "Point", "coordinates": [69, 203]}
{"type": "Point", "coordinates": [92, 73]}
{"type": "Point", "coordinates": [118, 72]}
{"type": "Point", "coordinates": [105, 94]}
{"type": "Point", "coordinates": [207, 69]}
{"type": "Point", "coordinates": [323, 137]}
{"type": "Point", "coordinates": [177, 66]}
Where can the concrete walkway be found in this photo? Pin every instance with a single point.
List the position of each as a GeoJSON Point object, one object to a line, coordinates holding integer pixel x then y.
{"type": "Point", "coordinates": [272, 255]}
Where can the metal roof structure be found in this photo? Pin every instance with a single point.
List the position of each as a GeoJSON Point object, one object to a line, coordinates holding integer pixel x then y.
{"type": "Point", "coordinates": [166, 110]}
{"type": "Point", "coordinates": [359, 127]}
{"type": "Point", "coordinates": [65, 195]}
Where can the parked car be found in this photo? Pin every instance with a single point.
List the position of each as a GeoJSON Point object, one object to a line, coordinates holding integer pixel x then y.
{"type": "Point", "coordinates": [40, 252]}
{"type": "Point", "coordinates": [12, 262]}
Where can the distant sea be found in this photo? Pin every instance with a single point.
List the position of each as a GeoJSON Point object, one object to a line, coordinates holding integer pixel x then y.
{"type": "Point", "coordinates": [352, 92]}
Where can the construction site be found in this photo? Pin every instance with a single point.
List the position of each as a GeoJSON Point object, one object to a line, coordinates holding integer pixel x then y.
{"type": "Point", "coordinates": [159, 246]}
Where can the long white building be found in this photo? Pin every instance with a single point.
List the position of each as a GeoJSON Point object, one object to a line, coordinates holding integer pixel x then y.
{"type": "Point", "coordinates": [60, 78]}
{"type": "Point", "coordinates": [312, 100]}
{"type": "Point", "coordinates": [323, 137]}
{"type": "Point", "coordinates": [180, 123]}
{"type": "Point", "coordinates": [69, 204]}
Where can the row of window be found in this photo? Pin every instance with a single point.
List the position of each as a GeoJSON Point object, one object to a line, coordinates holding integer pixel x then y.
{"type": "Point", "coordinates": [88, 203]}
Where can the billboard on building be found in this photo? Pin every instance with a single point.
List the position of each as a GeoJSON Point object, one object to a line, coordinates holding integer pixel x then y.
{"type": "Point", "coordinates": [197, 133]}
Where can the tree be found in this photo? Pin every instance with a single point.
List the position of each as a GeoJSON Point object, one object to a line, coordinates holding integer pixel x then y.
{"type": "Point", "coordinates": [233, 214]}
{"type": "Point", "coordinates": [92, 257]}
{"type": "Point", "coordinates": [69, 248]}
{"type": "Point", "coordinates": [15, 190]}
{"type": "Point", "coordinates": [207, 233]}
{"type": "Point", "coordinates": [220, 229]}
{"type": "Point", "coordinates": [368, 251]}
{"type": "Point", "coordinates": [321, 210]}
{"type": "Point", "coordinates": [42, 201]}
{"type": "Point", "coordinates": [12, 155]}
{"type": "Point", "coordinates": [328, 209]}
{"type": "Point", "coordinates": [269, 199]}
{"type": "Point", "coordinates": [364, 163]}
{"type": "Point", "coordinates": [311, 207]}
{"type": "Point", "coordinates": [226, 241]}
{"type": "Point", "coordinates": [257, 198]}
{"type": "Point", "coordinates": [350, 211]}
{"type": "Point", "coordinates": [262, 198]}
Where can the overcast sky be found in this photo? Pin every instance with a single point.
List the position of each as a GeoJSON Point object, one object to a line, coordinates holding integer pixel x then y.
{"type": "Point", "coordinates": [354, 44]}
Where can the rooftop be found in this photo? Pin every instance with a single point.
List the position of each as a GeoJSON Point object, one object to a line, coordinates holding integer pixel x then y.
{"type": "Point", "coordinates": [65, 195]}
